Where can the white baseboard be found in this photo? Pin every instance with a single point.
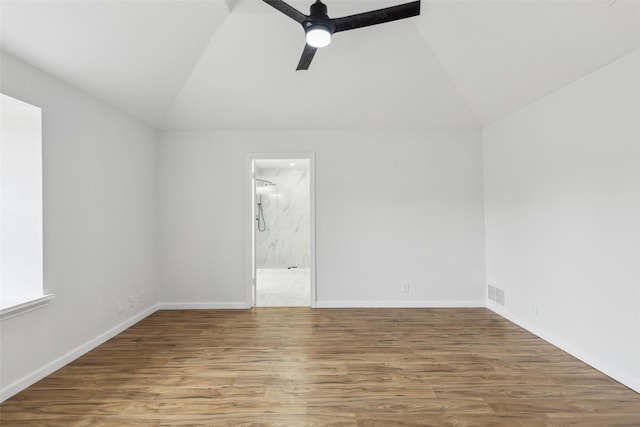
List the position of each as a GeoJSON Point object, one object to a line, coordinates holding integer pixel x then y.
{"type": "Point", "coordinates": [201, 305]}
{"type": "Point", "coordinates": [399, 304]}
{"type": "Point", "coordinates": [605, 368]}
{"type": "Point", "coordinates": [61, 361]}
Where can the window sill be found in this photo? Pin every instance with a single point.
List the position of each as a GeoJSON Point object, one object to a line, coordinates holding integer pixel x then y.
{"type": "Point", "coordinates": [24, 306]}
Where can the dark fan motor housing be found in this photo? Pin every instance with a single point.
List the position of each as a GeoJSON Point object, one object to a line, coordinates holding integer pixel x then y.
{"type": "Point", "coordinates": [318, 19]}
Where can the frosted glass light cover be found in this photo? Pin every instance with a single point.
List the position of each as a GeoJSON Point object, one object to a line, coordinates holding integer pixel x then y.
{"type": "Point", "coordinates": [318, 37]}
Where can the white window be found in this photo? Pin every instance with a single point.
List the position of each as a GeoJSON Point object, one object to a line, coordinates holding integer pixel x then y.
{"type": "Point", "coordinates": [21, 271]}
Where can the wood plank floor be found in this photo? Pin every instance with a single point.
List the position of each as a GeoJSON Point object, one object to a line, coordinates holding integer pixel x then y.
{"type": "Point", "coordinates": [305, 367]}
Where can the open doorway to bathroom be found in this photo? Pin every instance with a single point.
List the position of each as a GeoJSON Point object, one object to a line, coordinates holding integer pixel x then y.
{"type": "Point", "coordinates": [282, 250]}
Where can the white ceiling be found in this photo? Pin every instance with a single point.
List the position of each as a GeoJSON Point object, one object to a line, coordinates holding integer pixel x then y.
{"type": "Point", "coordinates": [214, 64]}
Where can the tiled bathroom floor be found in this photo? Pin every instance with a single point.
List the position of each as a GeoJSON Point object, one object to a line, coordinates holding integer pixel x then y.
{"type": "Point", "coordinates": [283, 287]}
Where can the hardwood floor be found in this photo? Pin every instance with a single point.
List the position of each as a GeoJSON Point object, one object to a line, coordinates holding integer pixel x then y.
{"type": "Point", "coordinates": [305, 367]}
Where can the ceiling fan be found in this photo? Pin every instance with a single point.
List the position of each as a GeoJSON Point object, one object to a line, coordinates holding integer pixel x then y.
{"type": "Point", "coordinates": [319, 28]}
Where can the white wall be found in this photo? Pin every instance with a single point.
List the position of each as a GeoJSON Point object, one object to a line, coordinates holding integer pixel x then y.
{"type": "Point", "coordinates": [99, 227]}
{"type": "Point", "coordinates": [390, 207]}
{"type": "Point", "coordinates": [284, 242]}
{"type": "Point", "coordinates": [562, 186]}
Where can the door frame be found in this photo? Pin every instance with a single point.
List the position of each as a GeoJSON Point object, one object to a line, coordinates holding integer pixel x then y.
{"type": "Point", "coordinates": [250, 220]}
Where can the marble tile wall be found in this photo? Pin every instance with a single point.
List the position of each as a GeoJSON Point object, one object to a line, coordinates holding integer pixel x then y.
{"type": "Point", "coordinates": [285, 206]}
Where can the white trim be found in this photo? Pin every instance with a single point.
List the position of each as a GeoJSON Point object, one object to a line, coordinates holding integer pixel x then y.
{"type": "Point", "coordinates": [249, 158]}
{"type": "Point", "coordinates": [51, 367]}
{"type": "Point", "coordinates": [248, 235]}
{"type": "Point", "coordinates": [25, 307]}
{"type": "Point", "coordinates": [201, 305]}
{"type": "Point", "coordinates": [605, 368]}
{"type": "Point", "coordinates": [312, 228]}
{"type": "Point", "coordinates": [400, 304]}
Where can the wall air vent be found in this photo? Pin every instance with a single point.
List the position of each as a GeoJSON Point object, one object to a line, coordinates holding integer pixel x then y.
{"type": "Point", "coordinates": [492, 293]}
{"type": "Point", "coordinates": [496, 294]}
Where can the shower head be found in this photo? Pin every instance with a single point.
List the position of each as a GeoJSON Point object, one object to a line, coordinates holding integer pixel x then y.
{"type": "Point", "coordinates": [265, 183]}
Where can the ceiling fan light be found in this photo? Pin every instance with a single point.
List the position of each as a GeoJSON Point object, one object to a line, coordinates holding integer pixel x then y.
{"type": "Point", "coordinates": [318, 36]}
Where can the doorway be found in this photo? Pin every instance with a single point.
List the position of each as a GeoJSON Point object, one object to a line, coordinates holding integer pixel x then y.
{"type": "Point", "coordinates": [282, 238]}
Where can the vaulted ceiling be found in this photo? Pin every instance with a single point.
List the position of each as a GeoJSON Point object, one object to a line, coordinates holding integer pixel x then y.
{"type": "Point", "coordinates": [215, 64]}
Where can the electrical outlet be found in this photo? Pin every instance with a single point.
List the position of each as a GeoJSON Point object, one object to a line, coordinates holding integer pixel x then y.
{"type": "Point", "coordinates": [405, 287]}
{"type": "Point", "coordinates": [534, 308]}
{"type": "Point", "coordinates": [132, 300]}
{"type": "Point", "coordinates": [120, 306]}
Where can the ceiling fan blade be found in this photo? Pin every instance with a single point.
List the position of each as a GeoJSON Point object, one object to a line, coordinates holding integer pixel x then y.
{"type": "Point", "coordinates": [307, 56]}
{"type": "Point", "coordinates": [379, 16]}
{"type": "Point", "coordinates": [290, 11]}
